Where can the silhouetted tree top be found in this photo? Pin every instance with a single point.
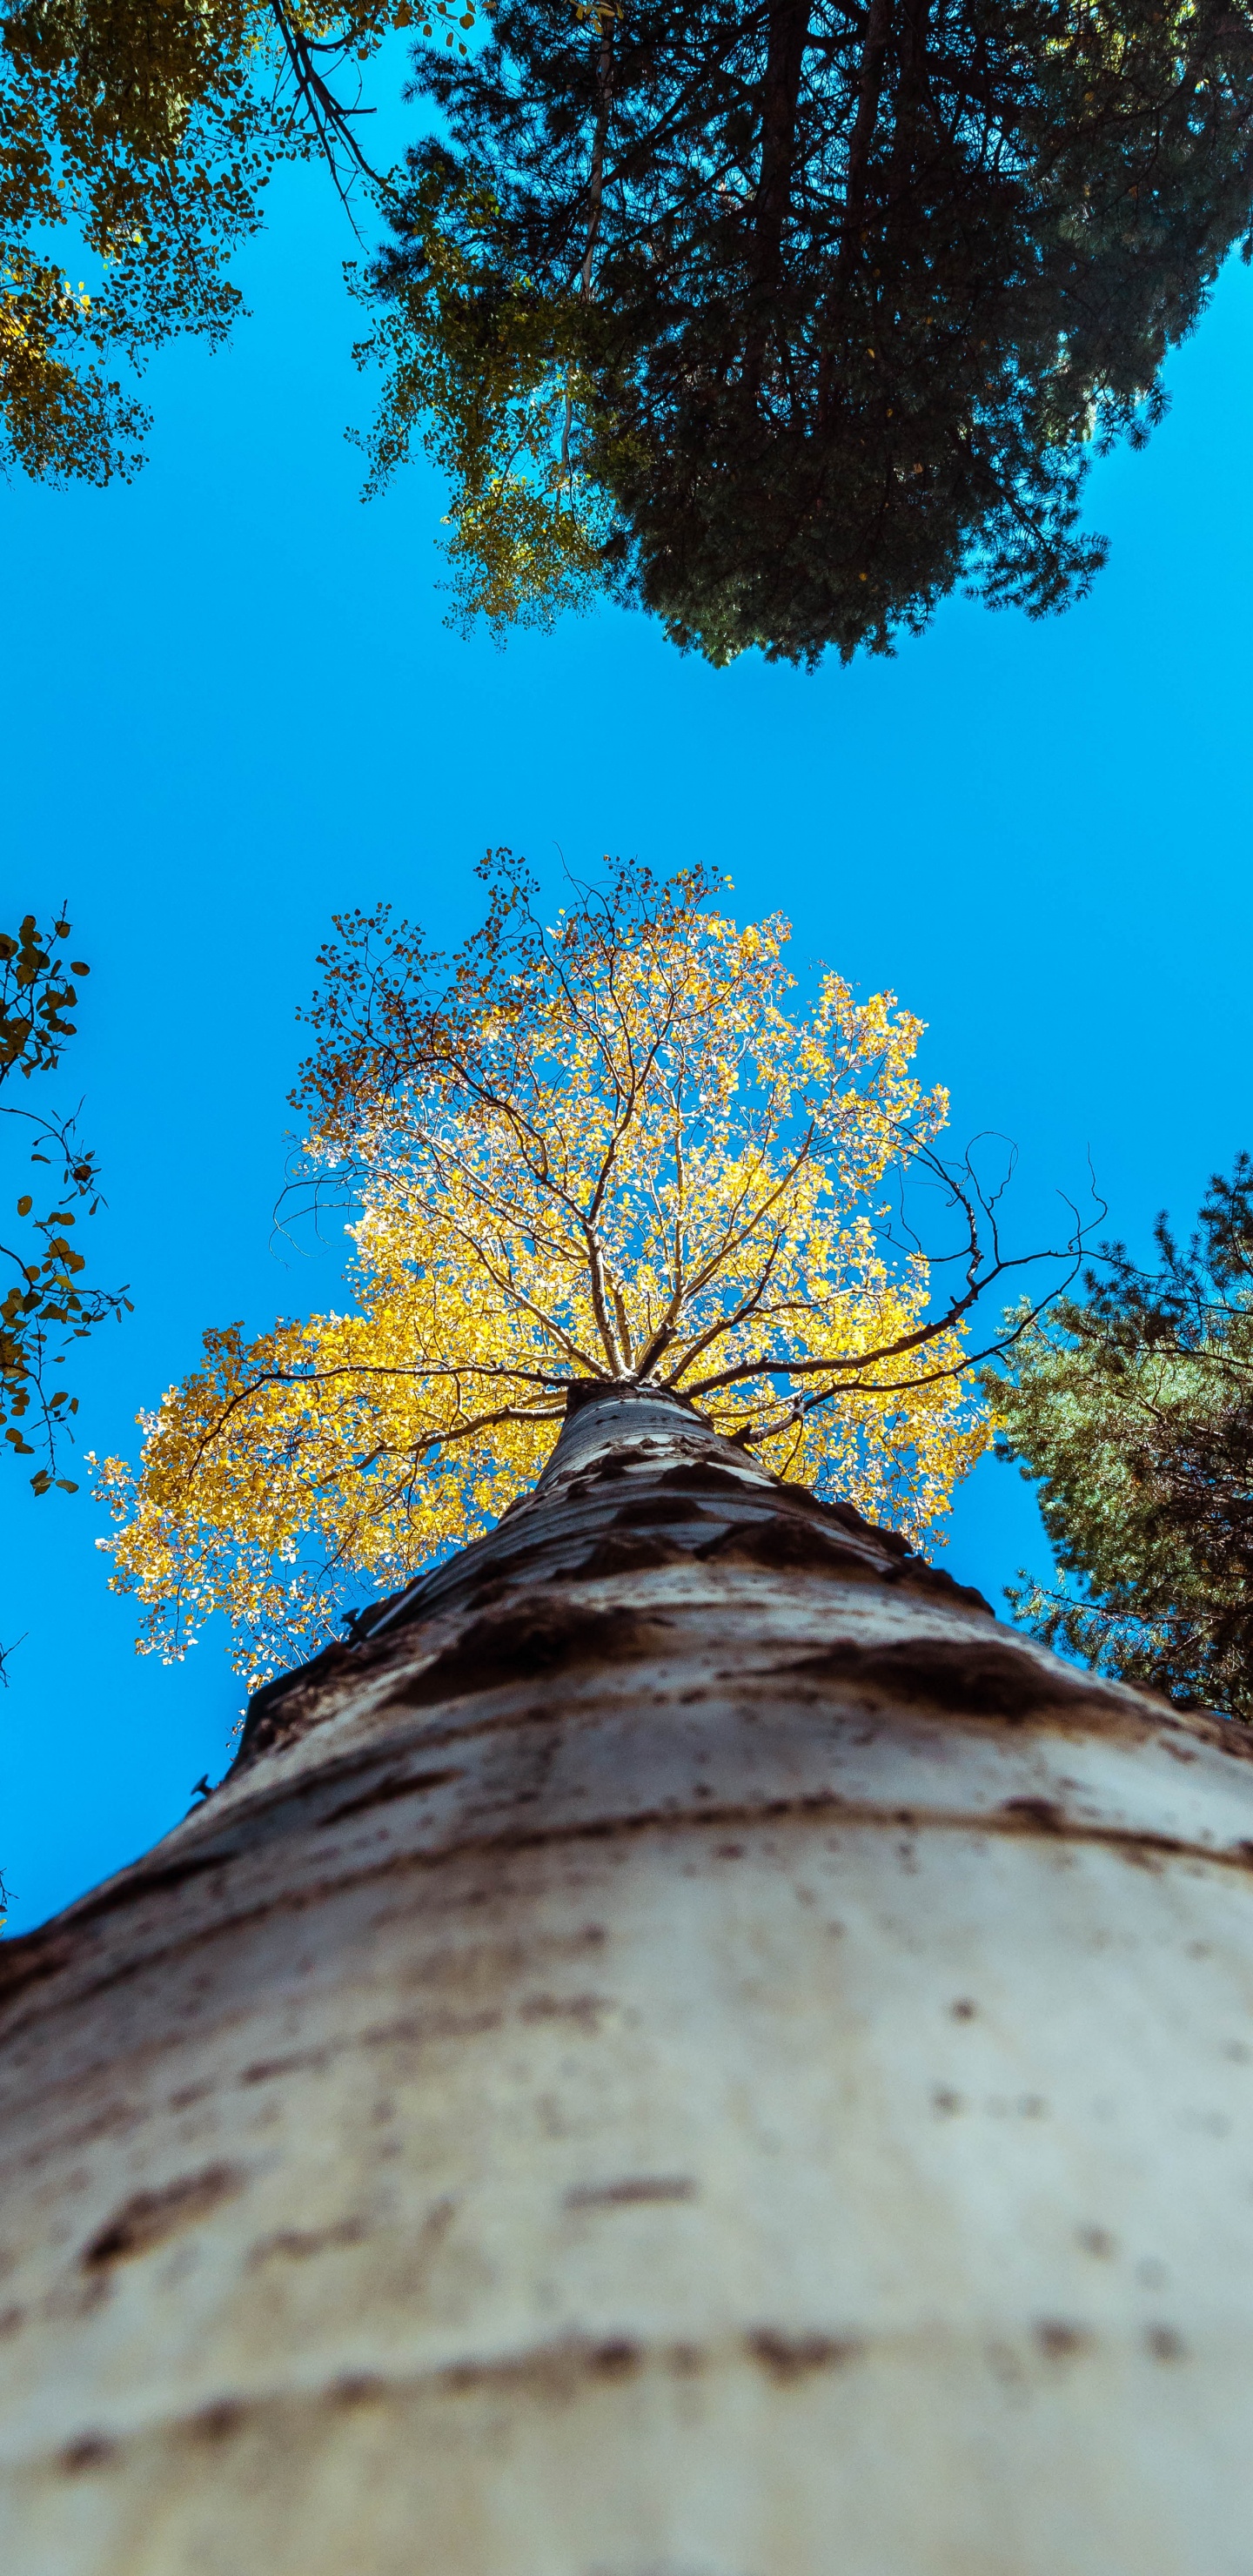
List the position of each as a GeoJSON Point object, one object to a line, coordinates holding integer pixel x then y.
{"type": "Point", "coordinates": [788, 318]}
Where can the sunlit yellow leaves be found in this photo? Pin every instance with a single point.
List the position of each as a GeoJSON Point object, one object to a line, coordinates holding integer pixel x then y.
{"type": "Point", "coordinates": [611, 1148]}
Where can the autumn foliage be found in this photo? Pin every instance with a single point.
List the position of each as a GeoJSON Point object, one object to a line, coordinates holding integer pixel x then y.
{"type": "Point", "coordinates": [610, 1148]}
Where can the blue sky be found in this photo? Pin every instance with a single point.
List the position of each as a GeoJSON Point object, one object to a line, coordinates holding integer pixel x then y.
{"type": "Point", "coordinates": [231, 707]}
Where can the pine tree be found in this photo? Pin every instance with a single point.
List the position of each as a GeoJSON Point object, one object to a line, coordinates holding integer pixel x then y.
{"type": "Point", "coordinates": [787, 319]}
{"type": "Point", "coordinates": [1134, 1409]}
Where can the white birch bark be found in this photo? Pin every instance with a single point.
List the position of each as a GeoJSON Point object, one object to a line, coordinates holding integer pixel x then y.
{"type": "Point", "coordinates": [691, 2051]}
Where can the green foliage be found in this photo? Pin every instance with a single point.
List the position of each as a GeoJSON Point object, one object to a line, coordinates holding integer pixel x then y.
{"type": "Point", "coordinates": [1135, 1411]}
{"type": "Point", "coordinates": [46, 1304]}
{"type": "Point", "coordinates": [840, 300]}
{"type": "Point", "coordinates": [491, 376]}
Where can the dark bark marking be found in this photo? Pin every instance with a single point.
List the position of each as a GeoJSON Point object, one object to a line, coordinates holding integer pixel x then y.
{"type": "Point", "coordinates": [654, 1511]}
{"type": "Point", "coordinates": [300, 2061]}
{"type": "Point", "coordinates": [786, 1545]}
{"type": "Point", "coordinates": [583, 1391]}
{"type": "Point", "coordinates": [145, 1882]}
{"type": "Point", "coordinates": [91, 2451]}
{"type": "Point", "coordinates": [697, 1477]}
{"type": "Point", "coordinates": [1060, 2341]}
{"type": "Point", "coordinates": [21, 1966]}
{"type": "Point", "coordinates": [789, 2357]}
{"type": "Point", "coordinates": [512, 1644]}
{"type": "Point", "coordinates": [587, 2011]}
{"type": "Point", "coordinates": [357, 2388]}
{"type": "Point", "coordinates": [632, 1552]}
{"type": "Point", "coordinates": [267, 1724]}
{"type": "Point", "coordinates": [150, 2217]}
{"type": "Point", "coordinates": [970, 1677]}
{"type": "Point", "coordinates": [297, 2245]}
{"type": "Point", "coordinates": [1042, 1812]}
{"type": "Point", "coordinates": [157, 1882]}
{"type": "Point", "coordinates": [411, 2031]}
{"type": "Point", "coordinates": [551, 2371]}
{"type": "Point", "coordinates": [617, 2360]}
{"type": "Point", "coordinates": [603, 1471]}
{"type": "Point", "coordinates": [218, 2423]}
{"type": "Point", "coordinates": [43, 1953]}
{"type": "Point", "coordinates": [394, 1785]}
{"type": "Point", "coordinates": [636, 2190]}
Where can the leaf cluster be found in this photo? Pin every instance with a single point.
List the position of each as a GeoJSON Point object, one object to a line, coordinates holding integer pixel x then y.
{"type": "Point", "coordinates": [827, 304]}
{"type": "Point", "coordinates": [137, 138]}
{"type": "Point", "coordinates": [1133, 1407]}
{"type": "Point", "coordinates": [45, 1305]}
{"type": "Point", "coordinates": [490, 376]}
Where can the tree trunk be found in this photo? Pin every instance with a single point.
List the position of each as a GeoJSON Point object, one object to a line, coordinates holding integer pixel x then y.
{"type": "Point", "coordinates": [687, 2050]}
{"type": "Point", "coordinates": [780, 97]}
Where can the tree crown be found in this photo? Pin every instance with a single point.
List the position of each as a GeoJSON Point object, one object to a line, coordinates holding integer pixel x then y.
{"type": "Point", "coordinates": [785, 318]}
{"type": "Point", "coordinates": [606, 1149]}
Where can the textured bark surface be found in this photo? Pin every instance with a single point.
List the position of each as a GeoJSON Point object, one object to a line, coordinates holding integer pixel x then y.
{"type": "Point", "coordinates": [688, 2050]}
